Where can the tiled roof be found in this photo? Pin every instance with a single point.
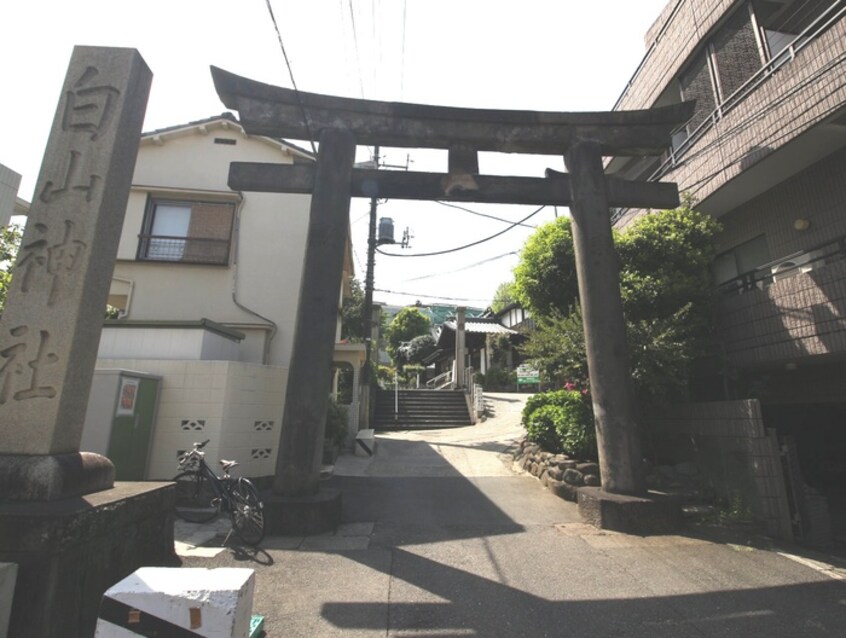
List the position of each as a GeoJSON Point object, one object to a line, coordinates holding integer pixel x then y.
{"type": "Point", "coordinates": [487, 325]}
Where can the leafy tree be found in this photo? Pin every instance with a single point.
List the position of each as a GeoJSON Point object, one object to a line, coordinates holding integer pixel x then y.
{"type": "Point", "coordinates": [666, 287]}
{"type": "Point", "coordinates": [557, 346]}
{"type": "Point", "coordinates": [666, 259]}
{"type": "Point", "coordinates": [505, 295]}
{"type": "Point", "coordinates": [352, 313]}
{"type": "Point", "coordinates": [10, 241]}
{"type": "Point", "coordinates": [545, 277]}
{"type": "Point", "coordinates": [407, 324]}
{"type": "Point", "coordinates": [418, 349]}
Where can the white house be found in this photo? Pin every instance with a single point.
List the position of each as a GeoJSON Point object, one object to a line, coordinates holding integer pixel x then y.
{"type": "Point", "coordinates": [206, 284]}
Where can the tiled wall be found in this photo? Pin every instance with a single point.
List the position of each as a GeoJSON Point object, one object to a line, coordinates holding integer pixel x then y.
{"type": "Point", "coordinates": [799, 95]}
{"type": "Point", "coordinates": [793, 318]}
{"type": "Point", "coordinates": [800, 315]}
{"type": "Point", "coordinates": [678, 36]}
{"type": "Point", "coordinates": [817, 194]}
{"type": "Point", "coordinates": [238, 406]}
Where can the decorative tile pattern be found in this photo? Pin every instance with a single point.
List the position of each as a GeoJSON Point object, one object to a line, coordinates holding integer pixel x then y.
{"type": "Point", "coordinates": [263, 426]}
{"type": "Point", "coordinates": [193, 424]}
{"type": "Point", "coordinates": [261, 453]}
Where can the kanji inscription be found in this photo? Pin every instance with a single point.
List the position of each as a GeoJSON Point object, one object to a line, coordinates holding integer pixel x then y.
{"type": "Point", "coordinates": [23, 365]}
{"type": "Point", "coordinates": [57, 261]}
{"type": "Point", "coordinates": [89, 106]}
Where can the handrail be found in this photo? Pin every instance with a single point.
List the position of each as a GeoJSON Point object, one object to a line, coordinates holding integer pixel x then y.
{"type": "Point", "coordinates": [441, 378]}
{"type": "Point", "coordinates": [828, 252]}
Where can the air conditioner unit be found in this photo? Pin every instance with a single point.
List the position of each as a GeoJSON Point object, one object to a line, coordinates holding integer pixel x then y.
{"type": "Point", "coordinates": [793, 266]}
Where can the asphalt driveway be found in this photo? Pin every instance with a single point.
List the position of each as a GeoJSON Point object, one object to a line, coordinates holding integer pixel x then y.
{"type": "Point", "coordinates": [442, 538]}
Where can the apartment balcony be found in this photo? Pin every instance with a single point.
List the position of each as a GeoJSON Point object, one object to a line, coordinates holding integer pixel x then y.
{"type": "Point", "coordinates": [787, 116]}
{"type": "Point", "coordinates": [786, 310]}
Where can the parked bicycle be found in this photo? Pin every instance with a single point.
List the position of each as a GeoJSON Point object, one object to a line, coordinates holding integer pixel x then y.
{"type": "Point", "coordinates": [201, 495]}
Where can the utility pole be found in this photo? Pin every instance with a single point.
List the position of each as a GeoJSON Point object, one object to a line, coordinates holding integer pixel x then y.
{"type": "Point", "coordinates": [367, 376]}
{"type": "Point", "coordinates": [368, 279]}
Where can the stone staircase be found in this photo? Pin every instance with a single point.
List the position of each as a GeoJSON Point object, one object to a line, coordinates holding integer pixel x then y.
{"type": "Point", "coordinates": [421, 409]}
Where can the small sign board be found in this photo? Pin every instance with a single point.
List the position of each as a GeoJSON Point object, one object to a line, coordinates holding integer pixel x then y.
{"type": "Point", "coordinates": [527, 374]}
{"type": "Point", "coordinates": [127, 396]}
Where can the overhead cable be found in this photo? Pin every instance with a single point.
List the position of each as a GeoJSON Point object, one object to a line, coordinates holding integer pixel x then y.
{"type": "Point", "coordinates": [291, 74]}
{"type": "Point", "coordinates": [470, 245]}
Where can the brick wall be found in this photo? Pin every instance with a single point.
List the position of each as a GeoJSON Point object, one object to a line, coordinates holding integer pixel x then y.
{"type": "Point", "coordinates": [728, 442]}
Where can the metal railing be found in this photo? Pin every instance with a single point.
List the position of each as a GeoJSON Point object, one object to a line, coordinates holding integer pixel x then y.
{"type": "Point", "coordinates": [784, 267]}
{"type": "Point", "coordinates": [187, 250]}
{"type": "Point", "coordinates": [441, 381]}
{"type": "Point", "coordinates": [822, 23]}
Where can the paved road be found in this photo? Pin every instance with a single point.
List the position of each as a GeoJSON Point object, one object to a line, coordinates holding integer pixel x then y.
{"type": "Point", "coordinates": [441, 538]}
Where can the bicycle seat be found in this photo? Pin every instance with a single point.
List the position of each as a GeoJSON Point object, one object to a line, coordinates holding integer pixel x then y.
{"type": "Point", "coordinates": [227, 465]}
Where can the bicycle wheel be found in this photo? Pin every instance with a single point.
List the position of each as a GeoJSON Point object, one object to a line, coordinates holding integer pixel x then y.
{"type": "Point", "coordinates": [194, 497]}
{"type": "Point", "coordinates": [247, 512]}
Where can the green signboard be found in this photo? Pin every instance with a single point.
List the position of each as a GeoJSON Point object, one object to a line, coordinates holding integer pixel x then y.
{"type": "Point", "coordinates": [527, 375]}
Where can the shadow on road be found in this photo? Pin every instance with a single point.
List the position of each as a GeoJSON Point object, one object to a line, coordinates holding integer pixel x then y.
{"type": "Point", "coordinates": [474, 606]}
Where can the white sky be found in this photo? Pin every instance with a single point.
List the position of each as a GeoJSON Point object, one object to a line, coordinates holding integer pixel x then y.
{"type": "Point", "coordinates": [555, 55]}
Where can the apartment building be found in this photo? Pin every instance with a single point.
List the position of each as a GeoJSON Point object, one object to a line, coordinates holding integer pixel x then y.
{"type": "Point", "coordinates": [765, 154]}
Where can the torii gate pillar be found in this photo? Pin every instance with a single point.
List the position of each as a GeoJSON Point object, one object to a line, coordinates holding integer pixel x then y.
{"type": "Point", "coordinates": [297, 506]}
{"type": "Point", "coordinates": [618, 440]}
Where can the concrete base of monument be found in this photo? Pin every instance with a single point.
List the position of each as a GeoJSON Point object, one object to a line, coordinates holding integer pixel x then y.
{"type": "Point", "coordinates": [52, 477]}
{"type": "Point", "coordinates": [72, 550]}
{"type": "Point", "coordinates": [644, 515]}
{"type": "Point", "coordinates": [303, 515]}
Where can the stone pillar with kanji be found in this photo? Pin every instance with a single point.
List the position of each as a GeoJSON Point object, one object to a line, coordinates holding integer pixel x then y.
{"type": "Point", "coordinates": [50, 328]}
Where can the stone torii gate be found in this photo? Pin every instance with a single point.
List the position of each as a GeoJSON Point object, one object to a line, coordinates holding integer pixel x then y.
{"type": "Point", "coordinates": [582, 138]}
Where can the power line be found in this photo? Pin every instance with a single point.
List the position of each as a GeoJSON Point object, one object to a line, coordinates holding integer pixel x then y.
{"type": "Point", "coordinates": [357, 51]}
{"type": "Point", "coordinates": [455, 270]}
{"type": "Point", "coordinates": [474, 212]}
{"type": "Point", "coordinates": [291, 74]}
{"type": "Point", "coordinates": [414, 294]}
{"type": "Point", "coordinates": [470, 245]}
{"type": "Point", "coordinates": [402, 55]}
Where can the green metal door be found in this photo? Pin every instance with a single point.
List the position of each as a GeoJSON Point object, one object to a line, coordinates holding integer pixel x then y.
{"type": "Point", "coordinates": [132, 427]}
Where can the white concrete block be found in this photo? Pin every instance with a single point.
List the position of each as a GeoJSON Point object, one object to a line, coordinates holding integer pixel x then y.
{"type": "Point", "coordinates": [365, 442]}
{"type": "Point", "coordinates": [8, 577]}
{"type": "Point", "coordinates": [216, 603]}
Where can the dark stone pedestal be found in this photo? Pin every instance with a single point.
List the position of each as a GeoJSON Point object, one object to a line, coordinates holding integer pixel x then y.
{"type": "Point", "coordinates": [71, 550]}
{"type": "Point", "coordinates": [303, 515]}
{"type": "Point", "coordinates": [652, 514]}
{"type": "Point", "coordinates": [28, 478]}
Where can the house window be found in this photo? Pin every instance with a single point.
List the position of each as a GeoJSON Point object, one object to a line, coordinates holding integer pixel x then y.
{"type": "Point", "coordinates": [782, 21]}
{"type": "Point", "coordinates": [187, 232]}
{"type": "Point", "coordinates": [741, 259]}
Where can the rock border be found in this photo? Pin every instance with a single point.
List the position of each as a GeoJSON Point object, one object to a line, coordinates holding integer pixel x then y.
{"type": "Point", "coordinates": [559, 473]}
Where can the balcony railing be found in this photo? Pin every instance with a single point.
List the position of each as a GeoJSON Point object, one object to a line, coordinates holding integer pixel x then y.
{"type": "Point", "coordinates": [186, 250]}
{"type": "Point", "coordinates": [813, 31]}
{"type": "Point", "coordinates": [784, 267]}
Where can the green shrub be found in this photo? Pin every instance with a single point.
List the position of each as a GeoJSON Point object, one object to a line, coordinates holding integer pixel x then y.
{"type": "Point", "coordinates": [561, 421]}
{"type": "Point", "coordinates": [336, 426]}
{"type": "Point", "coordinates": [542, 427]}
